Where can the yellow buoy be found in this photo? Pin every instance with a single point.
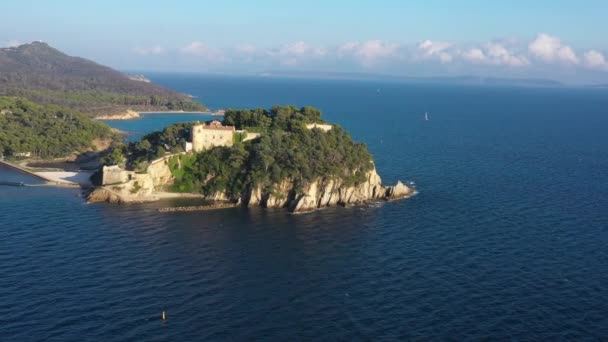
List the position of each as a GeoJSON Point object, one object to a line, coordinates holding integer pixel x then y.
{"type": "Point", "coordinates": [164, 316]}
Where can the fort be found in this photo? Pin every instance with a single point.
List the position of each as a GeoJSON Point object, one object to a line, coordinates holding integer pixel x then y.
{"type": "Point", "coordinates": [206, 136]}
{"type": "Point", "coordinates": [131, 186]}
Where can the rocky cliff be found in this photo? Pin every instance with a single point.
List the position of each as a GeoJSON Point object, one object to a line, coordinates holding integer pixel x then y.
{"type": "Point", "coordinates": [138, 190]}
{"type": "Point", "coordinates": [322, 193]}
{"type": "Point", "coordinates": [325, 192]}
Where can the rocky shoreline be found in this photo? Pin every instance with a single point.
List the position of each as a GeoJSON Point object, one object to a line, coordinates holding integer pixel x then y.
{"type": "Point", "coordinates": [128, 115]}
{"type": "Point", "coordinates": [133, 115]}
{"type": "Point", "coordinates": [221, 205]}
{"type": "Point", "coordinates": [322, 193]}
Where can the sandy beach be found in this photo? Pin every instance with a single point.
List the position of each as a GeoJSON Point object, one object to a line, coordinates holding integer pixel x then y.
{"type": "Point", "coordinates": [132, 115]}
{"type": "Point", "coordinates": [128, 115]}
{"type": "Point", "coordinates": [69, 177]}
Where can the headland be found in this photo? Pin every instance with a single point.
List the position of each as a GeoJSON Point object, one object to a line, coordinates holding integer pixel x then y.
{"type": "Point", "coordinates": [285, 157]}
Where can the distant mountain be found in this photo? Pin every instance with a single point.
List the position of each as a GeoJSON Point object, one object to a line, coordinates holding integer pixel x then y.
{"type": "Point", "coordinates": [464, 80]}
{"type": "Point", "coordinates": [46, 75]}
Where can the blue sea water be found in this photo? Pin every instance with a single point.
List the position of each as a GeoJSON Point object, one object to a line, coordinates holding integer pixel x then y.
{"type": "Point", "coordinates": [507, 238]}
{"type": "Point", "coordinates": [151, 122]}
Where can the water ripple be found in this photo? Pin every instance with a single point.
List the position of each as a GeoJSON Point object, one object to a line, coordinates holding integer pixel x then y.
{"type": "Point", "coordinates": [506, 241]}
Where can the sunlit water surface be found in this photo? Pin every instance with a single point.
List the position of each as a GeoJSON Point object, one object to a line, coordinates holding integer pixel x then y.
{"type": "Point", "coordinates": [507, 238]}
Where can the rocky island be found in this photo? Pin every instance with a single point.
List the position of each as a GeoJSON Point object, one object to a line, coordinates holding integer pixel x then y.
{"type": "Point", "coordinates": [285, 157]}
{"type": "Point", "coordinates": [282, 157]}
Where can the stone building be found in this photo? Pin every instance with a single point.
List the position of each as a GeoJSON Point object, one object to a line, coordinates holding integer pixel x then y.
{"type": "Point", "coordinates": [131, 184]}
{"type": "Point", "coordinates": [115, 175]}
{"type": "Point", "coordinates": [214, 134]}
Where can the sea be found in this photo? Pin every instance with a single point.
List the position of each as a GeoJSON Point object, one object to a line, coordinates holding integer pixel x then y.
{"type": "Point", "coordinates": [507, 238]}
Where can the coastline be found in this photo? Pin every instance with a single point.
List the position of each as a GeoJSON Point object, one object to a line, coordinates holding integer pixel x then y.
{"type": "Point", "coordinates": [106, 194]}
{"type": "Point", "coordinates": [128, 115]}
{"type": "Point", "coordinates": [212, 206]}
{"type": "Point", "coordinates": [133, 115]}
{"type": "Point", "coordinates": [174, 112]}
{"type": "Point", "coordinates": [54, 177]}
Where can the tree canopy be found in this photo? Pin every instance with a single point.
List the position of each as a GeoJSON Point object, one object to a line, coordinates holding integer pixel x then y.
{"type": "Point", "coordinates": [301, 156]}
{"type": "Point", "coordinates": [155, 145]}
{"type": "Point", "coordinates": [46, 75]}
{"type": "Point", "coordinates": [285, 150]}
{"type": "Point", "coordinates": [46, 131]}
{"type": "Point", "coordinates": [278, 117]}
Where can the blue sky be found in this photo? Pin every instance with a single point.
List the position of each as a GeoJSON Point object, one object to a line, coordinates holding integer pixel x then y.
{"type": "Point", "coordinates": [556, 39]}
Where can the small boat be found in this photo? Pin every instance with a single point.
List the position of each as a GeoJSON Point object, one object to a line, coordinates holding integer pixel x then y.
{"type": "Point", "coordinates": [426, 116]}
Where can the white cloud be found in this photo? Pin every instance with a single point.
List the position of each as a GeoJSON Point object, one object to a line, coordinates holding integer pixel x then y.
{"type": "Point", "coordinates": [295, 53]}
{"type": "Point", "coordinates": [297, 48]}
{"type": "Point", "coordinates": [566, 54]}
{"type": "Point", "coordinates": [502, 56]}
{"type": "Point", "coordinates": [155, 50]}
{"type": "Point", "coordinates": [196, 48]}
{"type": "Point", "coordinates": [200, 49]}
{"type": "Point", "coordinates": [474, 55]}
{"type": "Point", "coordinates": [550, 49]}
{"type": "Point", "coordinates": [595, 60]}
{"type": "Point", "coordinates": [431, 49]}
{"type": "Point", "coordinates": [445, 57]}
{"type": "Point", "coordinates": [300, 48]}
{"type": "Point", "coordinates": [246, 48]}
{"type": "Point", "coordinates": [494, 54]}
{"type": "Point", "coordinates": [385, 56]}
{"type": "Point", "coordinates": [374, 49]}
{"type": "Point", "coordinates": [347, 48]}
{"type": "Point", "coordinates": [369, 51]}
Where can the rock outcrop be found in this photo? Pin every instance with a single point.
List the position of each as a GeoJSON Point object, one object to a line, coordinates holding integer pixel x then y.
{"type": "Point", "coordinates": [325, 193]}
{"type": "Point", "coordinates": [118, 196]}
{"type": "Point", "coordinates": [398, 191]}
{"type": "Point", "coordinates": [103, 195]}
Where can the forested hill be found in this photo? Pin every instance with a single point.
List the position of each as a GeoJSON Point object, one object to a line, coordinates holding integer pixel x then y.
{"type": "Point", "coordinates": [48, 131]}
{"type": "Point", "coordinates": [46, 75]}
